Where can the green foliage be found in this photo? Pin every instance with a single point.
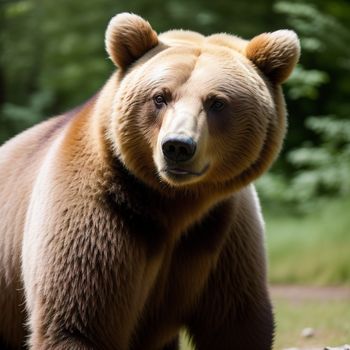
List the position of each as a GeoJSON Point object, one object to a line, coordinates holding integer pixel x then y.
{"type": "Point", "coordinates": [320, 30]}
{"type": "Point", "coordinates": [32, 113]}
{"type": "Point", "coordinates": [323, 170]}
{"type": "Point", "coordinates": [306, 83]}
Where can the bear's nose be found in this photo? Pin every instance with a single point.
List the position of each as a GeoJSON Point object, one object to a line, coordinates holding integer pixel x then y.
{"type": "Point", "coordinates": [178, 148]}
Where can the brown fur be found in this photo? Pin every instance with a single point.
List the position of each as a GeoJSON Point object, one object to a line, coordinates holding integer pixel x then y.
{"type": "Point", "coordinates": [101, 247]}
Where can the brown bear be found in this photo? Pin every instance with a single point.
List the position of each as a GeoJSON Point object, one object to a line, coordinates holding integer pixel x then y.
{"type": "Point", "coordinates": [132, 216]}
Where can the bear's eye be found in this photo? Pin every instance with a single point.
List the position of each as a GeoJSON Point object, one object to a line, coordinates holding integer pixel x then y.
{"type": "Point", "coordinates": [217, 105]}
{"type": "Point", "coordinates": [159, 100]}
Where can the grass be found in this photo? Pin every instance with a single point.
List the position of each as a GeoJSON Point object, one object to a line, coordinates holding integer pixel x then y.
{"type": "Point", "coordinates": [330, 320]}
{"type": "Point", "coordinates": [312, 249]}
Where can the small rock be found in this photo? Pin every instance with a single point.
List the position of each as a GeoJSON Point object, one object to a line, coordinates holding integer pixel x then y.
{"type": "Point", "coordinates": [344, 347]}
{"type": "Point", "coordinates": [308, 332]}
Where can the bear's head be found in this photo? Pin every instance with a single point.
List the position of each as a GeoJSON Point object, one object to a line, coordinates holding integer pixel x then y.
{"type": "Point", "coordinates": [197, 112]}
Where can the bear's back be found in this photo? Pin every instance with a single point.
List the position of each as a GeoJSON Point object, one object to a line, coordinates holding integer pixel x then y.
{"type": "Point", "coordinates": [20, 160]}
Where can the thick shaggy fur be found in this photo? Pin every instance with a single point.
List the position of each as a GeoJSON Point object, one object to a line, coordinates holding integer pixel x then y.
{"type": "Point", "coordinates": [101, 247]}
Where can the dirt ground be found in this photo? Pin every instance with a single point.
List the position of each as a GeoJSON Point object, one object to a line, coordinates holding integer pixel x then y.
{"type": "Point", "coordinates": [302, 293]}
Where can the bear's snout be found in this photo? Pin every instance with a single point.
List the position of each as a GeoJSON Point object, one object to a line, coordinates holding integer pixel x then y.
{"type": "Point", "coordinates": [178, 147]}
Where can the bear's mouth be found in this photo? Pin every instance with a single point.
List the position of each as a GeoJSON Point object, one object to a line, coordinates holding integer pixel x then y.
{"type": "Point", "coordinates": [182, 172]}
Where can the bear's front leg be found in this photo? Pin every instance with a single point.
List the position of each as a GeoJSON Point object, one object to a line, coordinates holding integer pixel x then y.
{"type": "Point", "coordinates": [234, 311]}
{"type": "Point", "coordinates": [81, 305]}
{"type": "Point", "coordinates": [69, 342]}
{"type": "Point", "coordinates": [85, 310]}
{"type": "Point", "coordinates": [85, 283]}
{"type": "Point", "coordinates": [250, 328]}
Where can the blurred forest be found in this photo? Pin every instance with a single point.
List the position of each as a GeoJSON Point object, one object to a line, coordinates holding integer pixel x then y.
{"type": "Point", "coordinates": [52, 58]}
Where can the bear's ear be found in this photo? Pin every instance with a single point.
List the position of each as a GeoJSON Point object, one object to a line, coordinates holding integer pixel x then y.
{"type": "Point", "coordinates": [128, 37]}
{"type": "Point", "coordinates": [275, 54]}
